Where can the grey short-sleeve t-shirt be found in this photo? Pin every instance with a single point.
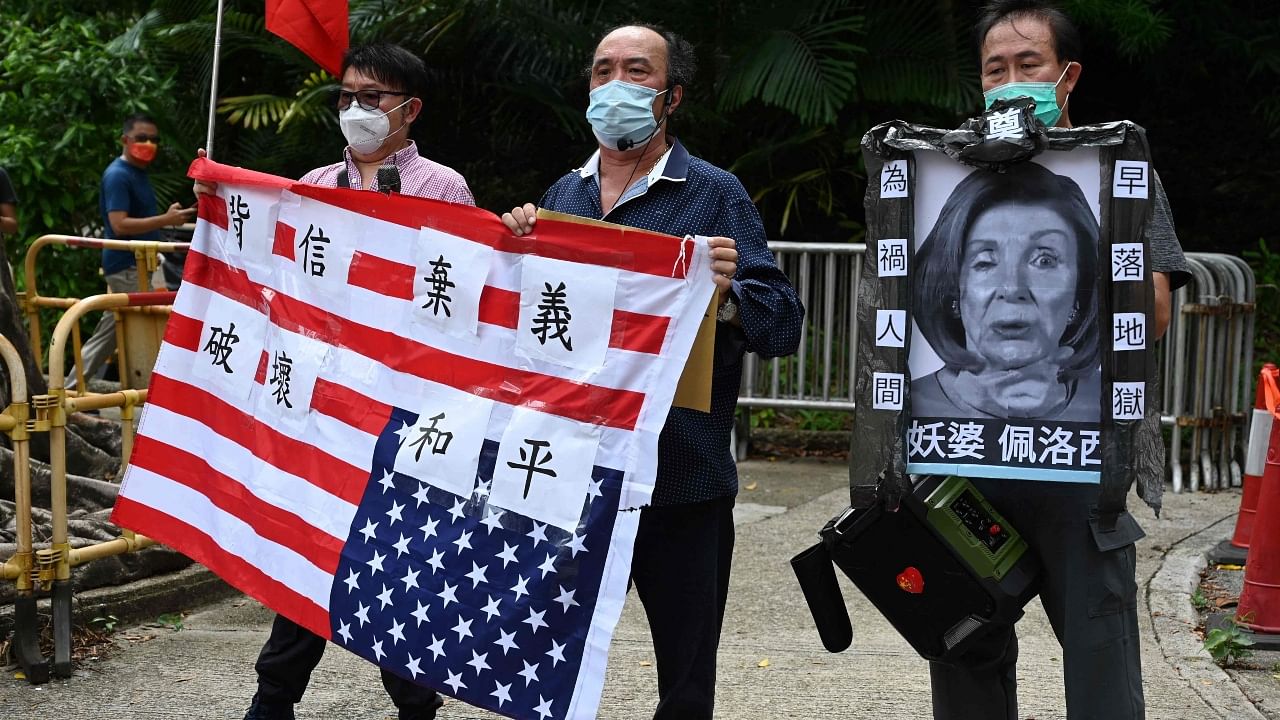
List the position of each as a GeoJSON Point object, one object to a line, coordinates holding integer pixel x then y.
{"type": "Point", "coordinates": [1162, 239]}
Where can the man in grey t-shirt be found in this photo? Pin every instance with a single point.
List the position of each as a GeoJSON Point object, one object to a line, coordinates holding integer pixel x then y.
{"type": "Point", "coordinates": [1087, 586]}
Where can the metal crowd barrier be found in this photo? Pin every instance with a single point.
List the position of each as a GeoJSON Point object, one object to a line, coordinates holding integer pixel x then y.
{"type": "Point", "coordinates": [1207, 366]}
{"type": "Point", "coordinates": [136, 342]}
{"type": "Point", "coordinates": [141, 317]}
{"type": "Point", "coordinates": [1206, 357]}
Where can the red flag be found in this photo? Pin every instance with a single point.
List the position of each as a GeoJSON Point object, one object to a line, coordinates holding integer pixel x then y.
{"type": "Point", "coordinates": [316, 27]}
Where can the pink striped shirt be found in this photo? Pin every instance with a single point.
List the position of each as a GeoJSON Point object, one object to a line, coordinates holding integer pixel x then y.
{"type": "Point", "coordinates": [418, 176]}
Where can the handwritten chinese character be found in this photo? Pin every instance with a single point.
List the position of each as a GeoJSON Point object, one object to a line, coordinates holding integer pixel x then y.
{"type": "Point", "coordinates": [552, 320]}
{"type": "Point", "coordinates": [313, 247]}
{"type": "Point", "coordinates": [437, 297]}
{"type": "Point", "coordinates": [281, 369]}
{"type": "Point", "coordinates": [432, 436]}
{"type": "Point", "coordinates": [219, 346]}
{"type": "Point", "coordinates": [533, 462]}
{"type": "Point", "coordinates": [239, 211]}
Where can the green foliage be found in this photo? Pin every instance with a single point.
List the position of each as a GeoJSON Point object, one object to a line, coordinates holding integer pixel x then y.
{"type": "Point", "coordinates": [64, 95]}
{"type": "Point", "coordinates": [1136, 26]}
{"type": "Point", "coordinates": [172, 621]}
{"type": "Point", "coordinates": [762, 417]}
{"type": "Point", "coordinates": [1266, 269]}
{"type": "Point", "coordinates": [1228, 645]}
{"type": "Point", "coordinates": [1198, 600]}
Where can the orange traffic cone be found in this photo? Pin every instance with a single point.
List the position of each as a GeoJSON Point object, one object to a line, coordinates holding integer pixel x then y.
{"type": "Point", "coordinates": [1255, 460]}
{"type": "Point", "coordinates": [1259, 607]}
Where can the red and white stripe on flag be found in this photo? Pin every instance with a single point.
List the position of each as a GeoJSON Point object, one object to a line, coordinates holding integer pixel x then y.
{"type": "Point", "coordinates": [309, 318]}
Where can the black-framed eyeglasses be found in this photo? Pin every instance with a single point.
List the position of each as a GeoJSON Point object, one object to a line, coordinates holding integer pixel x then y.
{"type": "Point", "coordinates": [145, 138]}
{"type": "Point", "coordinates": [367, 99]}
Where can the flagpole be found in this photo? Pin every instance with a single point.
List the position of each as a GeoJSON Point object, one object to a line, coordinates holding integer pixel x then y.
{"type": "Point", "coordinates": [213, 85]}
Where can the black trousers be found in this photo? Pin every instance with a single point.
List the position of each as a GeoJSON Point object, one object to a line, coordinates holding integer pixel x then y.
{"type": "Point", "coordinates": [681, 570]}
{"type": "Point", "coordinates": [284, 668]}
{"type": "Point", "coordinates": [1090, 597]}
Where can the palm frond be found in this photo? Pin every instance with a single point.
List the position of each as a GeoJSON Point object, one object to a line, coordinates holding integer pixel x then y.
{"type": "Point", "coordinates": [810, 71]}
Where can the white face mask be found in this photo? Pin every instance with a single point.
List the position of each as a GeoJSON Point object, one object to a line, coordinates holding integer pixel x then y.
{"type": "Point", "coordinates": [366, 130]}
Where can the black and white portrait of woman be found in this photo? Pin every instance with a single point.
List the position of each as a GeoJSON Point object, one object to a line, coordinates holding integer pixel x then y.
{"type": "Point", "coordinates": [1004, 293]}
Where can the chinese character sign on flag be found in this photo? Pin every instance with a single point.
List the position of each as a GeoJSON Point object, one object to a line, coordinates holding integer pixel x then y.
{"type": "Point", "coordinates": [415, 434]}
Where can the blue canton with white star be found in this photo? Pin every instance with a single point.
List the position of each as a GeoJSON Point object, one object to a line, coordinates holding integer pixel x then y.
{"type": "Point", "coordinates": [488, 606]}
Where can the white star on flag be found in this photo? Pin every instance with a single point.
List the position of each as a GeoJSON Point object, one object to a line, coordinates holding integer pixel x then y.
{"type": "Point", "coordinates": [507, 641]}
{"type": "Point", "coordinates": [463, 628]}
{"type": "Point", "coordinates": [455, 681]}
{"type": "Point", "coordinates": [420, 613]}
{"type": "Point", "coordinates": [394, 513]}
{"type": "Point", "coordinates": [410, 579]}
{"type": "Point", "coordinates": [529, 673]}
{"type": "Point", "coordinates": [375, 564]}
{"type": "Point", "coordinates": [387, 482]}
{"type": "Point", "coordinates": [478, 661]}
{"type": "Point", "coordinates": [412, 667]}
{"type": "Point", "coordinates": [535, 620]}
{"type": "Point", "coordinates": [345, 631]}
{"type": "Point", "coordinates": [401, 545]}
{"type": "Point", "coordinates": [368, 531]}
{"type": "Point", "coordinates": [508, 555]}
{"type": "Point", "coordinates": [556, 653]}
{"type": "Point", "coordinates": [385, 597]}
{"type": "Point", "coordinates": [548, 565]}
{"type": "Point", "coordinates": [477, 574]}
{"type": "Point", "coordinates": [566, 598]}
{"type": "Point", "coordinates": [491, 608]}
{"type": "Point", "coordinates": [493, 520]}
{"type": "Point", "coordinates": [396, 632]}
{"type": "Point", "coordinates": [353, 580]}
{"type": "Point", "coordinates": [502, 692]}
{"type": "Point", "coordinates": [436, 647]}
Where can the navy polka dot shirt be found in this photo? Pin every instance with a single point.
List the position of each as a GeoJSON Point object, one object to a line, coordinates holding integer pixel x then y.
{"type": "Point", "coordinates": [684, 195]}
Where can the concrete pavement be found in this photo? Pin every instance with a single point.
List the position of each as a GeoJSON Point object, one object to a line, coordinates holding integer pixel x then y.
{"type": "Point", "coordinates": [771, 662]}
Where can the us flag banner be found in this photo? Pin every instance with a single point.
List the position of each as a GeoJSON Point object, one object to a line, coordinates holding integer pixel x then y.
{"type": "Point", "coordinates": [415, 434]}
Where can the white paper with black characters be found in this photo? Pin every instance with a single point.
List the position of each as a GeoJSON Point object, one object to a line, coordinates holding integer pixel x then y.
{"type": "Point", "coordinates": [449, 281]}
{"type": "Point", "coordinates": [566, 312]}
{"type": "Point", "coordinates": [443, 447]}
{"type": "Point", "coordinates": [231, 343]}
{"type": "Point", "coordinates": [544, 467]}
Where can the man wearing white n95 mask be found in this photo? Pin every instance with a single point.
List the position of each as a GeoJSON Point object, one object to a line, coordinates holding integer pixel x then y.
{"type": "Point", "coordinates": [379, 100]}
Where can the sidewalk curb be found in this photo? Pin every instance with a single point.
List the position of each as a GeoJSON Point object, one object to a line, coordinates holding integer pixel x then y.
{"type": "Point", "coordinates": [141, 600]}
{"type": "Point", "coordinates": [1173, 617]}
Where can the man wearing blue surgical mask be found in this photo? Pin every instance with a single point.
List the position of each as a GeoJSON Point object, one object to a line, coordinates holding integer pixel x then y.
{"type": "Point", "coordinates": [1087, 585]}
{"type": "Point", "coordinates": [642, 176]}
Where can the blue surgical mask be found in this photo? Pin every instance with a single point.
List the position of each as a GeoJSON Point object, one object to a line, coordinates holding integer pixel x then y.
{"type": "Point", "coordinates": [1045, 95]}
{"type": "Point", "coordinates": [621, 114]}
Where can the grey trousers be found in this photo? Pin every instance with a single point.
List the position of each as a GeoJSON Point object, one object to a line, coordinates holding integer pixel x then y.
{"type": "Point", "coordinates": [1090, 597]}
{"type": "Point", "coordinates": [95, 351]}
